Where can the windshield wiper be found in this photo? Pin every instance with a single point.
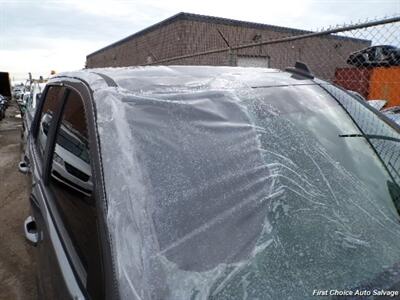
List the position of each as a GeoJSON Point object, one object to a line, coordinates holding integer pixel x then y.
{"type": "Point", "coordinates": [371, 136]}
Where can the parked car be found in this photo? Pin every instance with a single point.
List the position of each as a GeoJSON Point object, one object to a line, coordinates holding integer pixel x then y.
{"type": "Point", "coordinates": [393, 109]}
{"type": "Point", "coordinates": [393, 113]}
{"type": "Point", "coordinates": [18, 92]}
{"type": "Point", "coordinates": [23, 100]}
{"type": "Point", "coordinates": [357, 95]}
{"type": "Point", "coordinates": [377, 104]}
{"type": "Point", "coordinates": [210, 183]}
{"type": "Point", "coordinates": [3, 106]}
{"type": "Point", "coordinates": [394, 117]}
{"type": "Point", "coordinates": [382, 55]}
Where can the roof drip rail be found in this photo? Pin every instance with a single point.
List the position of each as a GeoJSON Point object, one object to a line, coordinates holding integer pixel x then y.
{"type": "Point", "coordinates": [300, 69]}
{"type": "Point", "coordinates": [110, 82]}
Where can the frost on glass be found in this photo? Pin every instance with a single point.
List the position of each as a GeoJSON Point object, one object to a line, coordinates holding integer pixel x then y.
{"type": "Point", "coordinates": [217, 190]}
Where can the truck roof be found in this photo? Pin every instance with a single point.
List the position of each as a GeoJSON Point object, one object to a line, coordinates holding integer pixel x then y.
{"type": "Point", "coordinates": [163, 78]}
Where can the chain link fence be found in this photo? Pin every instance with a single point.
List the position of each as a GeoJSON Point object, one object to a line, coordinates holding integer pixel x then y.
{"type": "Point", "coordinates": [362, 57]}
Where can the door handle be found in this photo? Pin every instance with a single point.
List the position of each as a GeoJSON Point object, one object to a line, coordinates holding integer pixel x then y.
{"type": "Point", "coordinates": [24, 167]}
{"type": "Point", "coordinates": [31, 231]}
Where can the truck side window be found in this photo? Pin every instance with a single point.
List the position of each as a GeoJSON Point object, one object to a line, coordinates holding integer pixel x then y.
{"type": "Point", "coordinates": [50, 106]}
{"type": "Point", "coordinates": [72, 186]}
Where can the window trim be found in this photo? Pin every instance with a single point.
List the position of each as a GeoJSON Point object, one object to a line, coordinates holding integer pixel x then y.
{"type": "Point", "coordinates": [35, 122]}
{"type": "Point", "coordinates": [110, 277]}
{"type": "Point", "coordinates": [36, 125]}
{"type": "Point", "coordinates": [71, 253]}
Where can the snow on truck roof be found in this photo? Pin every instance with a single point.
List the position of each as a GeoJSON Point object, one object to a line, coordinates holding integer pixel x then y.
{"type": "Point", "coordinates": [163, 78]}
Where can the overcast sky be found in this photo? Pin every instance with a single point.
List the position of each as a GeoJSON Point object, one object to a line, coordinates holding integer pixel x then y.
{"type": "Point", "coordinates": [40, 36]}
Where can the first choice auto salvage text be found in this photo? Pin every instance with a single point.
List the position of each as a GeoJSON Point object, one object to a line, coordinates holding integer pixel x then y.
{"type": "Point", "coordinates": [374, 292]}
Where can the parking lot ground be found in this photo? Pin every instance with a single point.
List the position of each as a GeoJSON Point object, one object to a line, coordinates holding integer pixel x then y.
{"type": "Point", "coordinates": [17, 266]}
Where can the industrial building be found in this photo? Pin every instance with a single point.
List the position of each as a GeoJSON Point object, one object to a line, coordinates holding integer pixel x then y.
{"type": "Point", "coordinates": [185, 34]}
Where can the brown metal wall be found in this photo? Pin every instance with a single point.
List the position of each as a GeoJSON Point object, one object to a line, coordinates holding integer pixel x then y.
{"type": "Point", "coordinates": [163, 42]}
{"type": "Point", "coordinates": [322, 54]}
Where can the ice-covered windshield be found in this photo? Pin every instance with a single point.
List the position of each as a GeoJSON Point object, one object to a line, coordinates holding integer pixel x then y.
{"type": "Point", "coordinates": [231, 192]}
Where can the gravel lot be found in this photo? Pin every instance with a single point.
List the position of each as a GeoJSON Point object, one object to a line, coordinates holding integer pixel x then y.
{"type": "Point", "coordinates": [17, 267]}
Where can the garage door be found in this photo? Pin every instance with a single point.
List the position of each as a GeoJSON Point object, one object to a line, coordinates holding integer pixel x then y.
{"type": "Point", "coordinates": [253, 61]}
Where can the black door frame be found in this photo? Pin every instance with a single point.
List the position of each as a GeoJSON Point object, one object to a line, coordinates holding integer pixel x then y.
{"type": "Point", "coordinates": [109, 282]}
